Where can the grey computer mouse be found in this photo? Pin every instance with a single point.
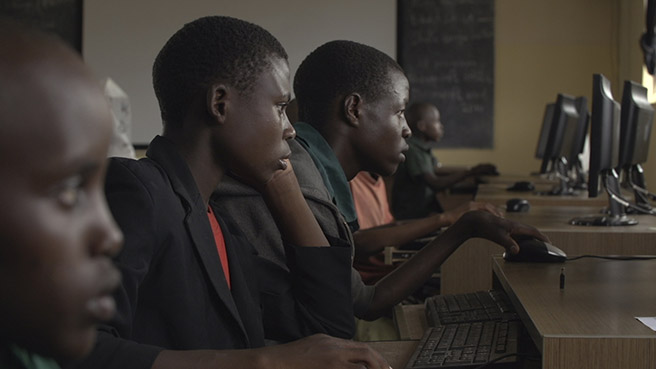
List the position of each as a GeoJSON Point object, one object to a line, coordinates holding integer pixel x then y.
{"type": "Point", "coordinates": [517, 205]}
{"type": "Point", "coordinates": [533, 250]}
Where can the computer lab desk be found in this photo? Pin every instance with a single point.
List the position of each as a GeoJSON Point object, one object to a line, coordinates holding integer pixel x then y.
{"type": "Point", "coordinates": [469, 268]}
{"type": "Point", "coordinates": [497, 194]}
{"type": "Point", "coordinates": [590, 323]}
{"type": "Point", "coordinates": [397, 353]}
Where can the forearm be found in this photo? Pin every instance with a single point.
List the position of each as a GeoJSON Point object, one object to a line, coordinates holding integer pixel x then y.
{"type": "Point", "coordinates": [295, 221]}
{"type": "Point", "coordinates": [373, 240]}
{"type": "Point", "coordinates": [443, 182]}
{"type": "Point", "coordinates": [410, 275]}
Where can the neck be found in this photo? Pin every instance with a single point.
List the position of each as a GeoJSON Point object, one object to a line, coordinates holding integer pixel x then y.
{"type": "Point", "coordinates": [337, 138]}
{"type": "Point", "coordinates": [196, 149]}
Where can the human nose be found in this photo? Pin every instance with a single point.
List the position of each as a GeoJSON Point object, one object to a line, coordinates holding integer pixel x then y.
{"type": "Point", "coordinates": [405, 129]}
{"type": "Point", "coordinates": [108, 238]}
{"type": "Point", "coordinates": [288, 131]}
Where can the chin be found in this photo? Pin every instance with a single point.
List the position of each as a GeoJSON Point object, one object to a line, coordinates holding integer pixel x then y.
{"type": "Point", "coordinates": [74, 346]}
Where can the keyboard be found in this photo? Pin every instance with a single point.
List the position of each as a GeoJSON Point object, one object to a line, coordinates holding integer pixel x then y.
{"type": "Point", "coordinates": [466, 345]}
{"type": "Point", "coordinates": [469, 307]}
{"type": "Point", "coordinates": [467, 331]}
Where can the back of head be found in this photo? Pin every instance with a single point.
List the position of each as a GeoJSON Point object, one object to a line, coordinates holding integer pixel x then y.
{"type": "Point", "coordinates": [206, 51]}
{"type": "Point", "coordinates": [338, 68]}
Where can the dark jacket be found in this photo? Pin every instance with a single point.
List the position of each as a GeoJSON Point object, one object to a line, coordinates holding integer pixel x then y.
{"type": "Point", "coordinates": [173, 294]}
{"type": "Point", "coordinates": [260, 229]}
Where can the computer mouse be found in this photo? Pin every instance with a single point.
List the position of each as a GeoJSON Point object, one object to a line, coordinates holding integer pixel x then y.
{"type": "Point", "coordinates": [517, 206]}
{"type": "Point", "coordinates": [522, 186]}
{"type": "Point", "coordinates": [536, 251]}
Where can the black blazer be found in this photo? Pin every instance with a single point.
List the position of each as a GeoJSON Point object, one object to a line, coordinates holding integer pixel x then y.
{"type": "Point", "coordinates": [174, 294]}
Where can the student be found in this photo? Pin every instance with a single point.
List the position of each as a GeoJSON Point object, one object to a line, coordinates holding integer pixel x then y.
{"type": "Point", "coordinates": [351, 100]}
{"type": "Point", "coordinates": [56, 234]}
{"type": "Point", "coordinates": [379, 229]}
{"type": "Point", "coordinates": [191, 282]}
{"type": "Point", "coordinates": [419, 178]}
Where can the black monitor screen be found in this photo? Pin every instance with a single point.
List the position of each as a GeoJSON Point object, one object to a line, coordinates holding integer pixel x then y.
{"type": "Point", "coordinates": [582, 126]}
{"type": "Point", "coordinates": [569, 148]}
{"type": "Point", "coordinates": [636, 121]}
{"type": "Point", "coordinates": [604, 132]}
{"type": "Point", "coordinates": [544, 132]}
{"type": "Point", "coordinates": [562, 131]}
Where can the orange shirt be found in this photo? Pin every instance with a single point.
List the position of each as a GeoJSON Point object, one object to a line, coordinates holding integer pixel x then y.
{"type": "Point", "coordinates": [220, 244]}
{"type": "Point", "coordinates": [370, 197]}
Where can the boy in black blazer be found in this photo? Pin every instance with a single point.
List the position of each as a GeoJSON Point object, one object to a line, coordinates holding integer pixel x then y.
{"type": "Point", "coordinates": [191, 282]}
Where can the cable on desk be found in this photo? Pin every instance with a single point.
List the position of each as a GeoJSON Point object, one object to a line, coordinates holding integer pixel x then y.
{"type": "Point", "coordinates": [613, 257]}
{"type": "Point", "coordinates": [518, 354]}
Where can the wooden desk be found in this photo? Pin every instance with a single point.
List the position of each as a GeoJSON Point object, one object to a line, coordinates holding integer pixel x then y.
{"type": "Point", "coordinates": [469, 268]}
{"type": "Point", "coordinates": [591, 322]}
{"type": "Point", "coordinates": [497, 194]}
{"type": "Point", "coordinates": [397, 353]}
{"type": "Point", "coordinates": [508, 179]}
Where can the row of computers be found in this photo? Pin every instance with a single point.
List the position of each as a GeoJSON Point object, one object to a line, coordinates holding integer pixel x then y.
{"type": "Point", "coordinates": [481, 329]}
{"type": "Point", "coordinates": [619, 145]}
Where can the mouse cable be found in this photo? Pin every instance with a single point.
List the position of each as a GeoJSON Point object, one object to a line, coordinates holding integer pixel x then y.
{"type": "Point", "coordinates": [642, 191]}
{"type": "Point", "coordinates": [622, 201]}
{"type": "Point", "coordinates": [518, 354]}
{"type": "Point", "coordinates": [614, 257]}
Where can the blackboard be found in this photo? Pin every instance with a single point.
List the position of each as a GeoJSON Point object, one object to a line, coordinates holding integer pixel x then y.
{"type": "Point", "coordinates": [62, 17]}
{"type": "Point", "coordinates": [446, 48]}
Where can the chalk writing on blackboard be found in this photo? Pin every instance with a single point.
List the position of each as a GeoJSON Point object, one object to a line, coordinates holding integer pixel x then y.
{"type": "Point", "coordinates": [446, 48]}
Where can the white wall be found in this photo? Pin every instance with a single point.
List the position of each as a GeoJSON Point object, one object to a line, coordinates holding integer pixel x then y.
{"type": "Point", "coordinates": [122, 37]}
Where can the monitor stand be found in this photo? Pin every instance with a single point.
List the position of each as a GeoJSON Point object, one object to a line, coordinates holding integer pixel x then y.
{"type": "Point", "coordinates": [563, 188]}
{"type": "Point", "coordinates": [636, 177]}
{"type": "Point", "coordinates": [615, 215]}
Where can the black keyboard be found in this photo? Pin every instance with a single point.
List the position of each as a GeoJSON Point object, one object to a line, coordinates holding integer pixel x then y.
{"type": "Point", "coordinates": [469, 307]}
{"type": "Point", "coordinates": [467, 345]}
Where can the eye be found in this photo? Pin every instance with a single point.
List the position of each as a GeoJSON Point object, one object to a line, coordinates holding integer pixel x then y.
{"type": "Point", "coordinates": [70, 192]}
{"type": "Point", "coordinates": [282, 107]}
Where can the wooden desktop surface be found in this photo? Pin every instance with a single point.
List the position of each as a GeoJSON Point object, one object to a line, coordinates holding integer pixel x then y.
{"type": "Point", "coordinates": [469, 268]}
{"type": "Point", "coordinates": [591, 322]}
{"type": "Point", "coordinates": [497, 194]}
{"type": "Point", "coordinates": [397, 353]}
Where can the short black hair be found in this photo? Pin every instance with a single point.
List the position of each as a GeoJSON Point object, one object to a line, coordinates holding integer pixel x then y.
{"type": "Point", "coordinates": [206, 51]}
{"type": "Point", "coordinates": [336, 69]}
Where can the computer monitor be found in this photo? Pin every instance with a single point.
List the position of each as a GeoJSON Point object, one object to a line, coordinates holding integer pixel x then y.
{"type": "Point", "coordinates": [562, 146]}
{"type": "Point", "coordinates": [635, 130]}
{"type": "Point", "coordinates": [544, 131]}
{"type": "Point", "coordinates": [604, 154]}
{"type": "Point", "coordinates": [564, 113]}
{"type": "Point", "coordinates": [583, 127]}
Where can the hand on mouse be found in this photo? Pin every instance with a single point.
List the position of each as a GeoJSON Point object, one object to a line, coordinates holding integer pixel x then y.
{"type": "Point", "coordinates": [502, 231]}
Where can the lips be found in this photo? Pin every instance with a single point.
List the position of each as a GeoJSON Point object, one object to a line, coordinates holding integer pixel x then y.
{"type": "Point", "coordinates": [102, 307]}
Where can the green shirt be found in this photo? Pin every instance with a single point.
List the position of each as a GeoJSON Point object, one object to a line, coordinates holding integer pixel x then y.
{"type": "Point", "coordinates": [412, 197]}
{"type": "Point", "coordinates": [14, 357]}
{"type": "Point", "coordinates": [331, 171]}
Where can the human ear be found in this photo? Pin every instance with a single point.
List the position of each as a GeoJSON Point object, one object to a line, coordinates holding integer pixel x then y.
{"type": "Point", "coordinates": [217, 99]}
{"type": "Point", "coordinates": [352, 107]}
